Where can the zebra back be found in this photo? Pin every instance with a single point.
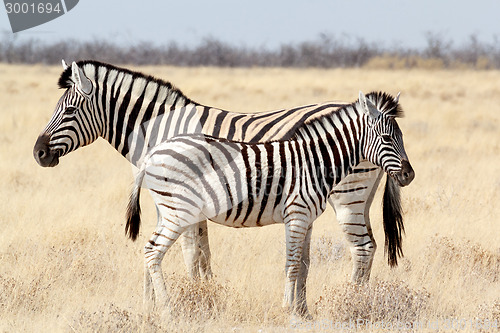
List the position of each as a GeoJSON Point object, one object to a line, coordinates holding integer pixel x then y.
{"type": "Point", "coordinates": [223, 180]}
{"type": "Point", "coordinates": [141, 111]}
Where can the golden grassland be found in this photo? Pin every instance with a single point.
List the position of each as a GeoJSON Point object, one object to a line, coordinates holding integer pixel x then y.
{"type": "Point", "coordinates": [65, 264]}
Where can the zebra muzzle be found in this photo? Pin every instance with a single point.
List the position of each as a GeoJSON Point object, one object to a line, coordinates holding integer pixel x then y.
{"type": "Point", "coordinates": [42, 153]}
{"type": "Point", "coordinates": [406, 175]}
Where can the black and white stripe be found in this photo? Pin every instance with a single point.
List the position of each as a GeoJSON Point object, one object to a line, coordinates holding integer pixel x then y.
{"type": "Point", "coordinates": [135, 112]}
{"type": "Point", "coordinates": [195, 177]}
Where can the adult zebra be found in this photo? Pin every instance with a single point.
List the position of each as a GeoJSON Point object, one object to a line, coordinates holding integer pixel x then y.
{"type": "Point", "coordinates": [195, 177]}
{"type": "Point", "coordinates": [134, 112]}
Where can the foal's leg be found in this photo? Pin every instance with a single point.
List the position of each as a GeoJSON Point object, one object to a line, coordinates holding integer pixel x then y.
{"type": "Point", "coordinates": [148, 289]}
{"type": "Point", "coordinates": [162, 239]}
{"type": "Point", "coordinates": [148, 282]}
{"type": "Point", "coordinates": [173, 224]}
{"type": "Point", "coordinates": [351, 201]}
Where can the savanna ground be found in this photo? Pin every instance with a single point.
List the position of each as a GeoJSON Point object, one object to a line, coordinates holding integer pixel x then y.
{"type": "Point", "coordinates": [65, 264]}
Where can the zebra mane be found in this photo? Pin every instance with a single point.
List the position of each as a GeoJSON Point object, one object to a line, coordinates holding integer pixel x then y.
{"type": "Point", "coordinates": [386, 103]}
{"type": "Point", "coordinates": [66, 82]}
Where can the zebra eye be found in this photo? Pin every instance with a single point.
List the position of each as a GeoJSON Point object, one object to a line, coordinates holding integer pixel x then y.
{"type": "Point", "coordinates": [386, 138]}
{"type": "Point", "coordinates": [70, 110]}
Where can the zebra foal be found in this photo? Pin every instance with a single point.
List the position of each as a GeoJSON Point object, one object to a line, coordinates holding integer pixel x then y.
{"type": "Point", "coordinates": [195, 177]}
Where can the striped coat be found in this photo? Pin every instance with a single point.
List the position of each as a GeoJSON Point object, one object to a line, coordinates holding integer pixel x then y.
{"type": "Point", "coordinates": [134, 112]}
{"type": "Point", "coordinates": [192, 178]}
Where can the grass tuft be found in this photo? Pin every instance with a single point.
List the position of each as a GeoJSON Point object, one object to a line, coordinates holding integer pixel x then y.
{"type": "Point", "coordinates": [381, 302]}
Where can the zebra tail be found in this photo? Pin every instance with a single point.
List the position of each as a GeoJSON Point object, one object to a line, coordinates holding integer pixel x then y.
{"type": "Point", "coordinates": [393, 222]}
{"type": "Point", "coordinates": [134, 209]}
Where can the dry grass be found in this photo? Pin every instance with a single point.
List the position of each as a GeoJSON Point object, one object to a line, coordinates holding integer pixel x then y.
{"type": "Point", "coordinates": [383, 301]}
{"type": "Point", "coordinates": [65, 264]}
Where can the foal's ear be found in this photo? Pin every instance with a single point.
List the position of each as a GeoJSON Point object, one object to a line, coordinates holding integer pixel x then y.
{"type": "Point", "coordinates": [64, 64]}
{"type": "Point", "coordinates": [368, 107]}
{"type": "Point", "coordinates": [396, 100]}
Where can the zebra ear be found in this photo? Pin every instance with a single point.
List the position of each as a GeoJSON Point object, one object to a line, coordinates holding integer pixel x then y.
{"type": "Point", "coordinates": [396, 100]}
{"type": "Point", "coordinates": [80, 79]}
{"type": "Point", "coordinates": [368, 107]}
{"type": "Point", "coordinates": [64, 64]}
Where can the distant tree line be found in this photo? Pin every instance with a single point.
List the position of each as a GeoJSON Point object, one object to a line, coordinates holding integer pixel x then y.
{"type": "Point", "coordinates": [326, 51]}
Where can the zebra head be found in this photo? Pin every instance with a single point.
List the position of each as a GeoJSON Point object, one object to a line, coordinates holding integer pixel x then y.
{"type": "Point", "coordinates": [384, 139]}
{"type": "Point", "coordinates": [75, 122]}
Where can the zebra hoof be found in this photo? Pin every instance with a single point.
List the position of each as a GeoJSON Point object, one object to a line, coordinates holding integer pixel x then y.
{"type": "Point", "coordinates": [298, 319]}
{"type": "Point", "coordinates": [303, 312]}
{"type": "Point", "coordinates": [301, 315]}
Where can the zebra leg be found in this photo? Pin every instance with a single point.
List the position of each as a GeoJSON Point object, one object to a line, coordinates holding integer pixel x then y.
{"type": "Point", "coordinates": [196, 251]}
{"type": "Point", "coordinates": [162, 239]}
{"type": "Point", "coordinates": [191, 251]}
{"type": "Point", "coordinates": [148, 282]}
{"type": "Point", "coordinates": [351, 200]}
{"type": "Point", "coordinates": [148, 289]}
{"type": "Point", "coordinates": [295, 231]}
{"type": "Point", "coordinates": [205, 268]}
{"type": "Point", "coordinates": [302, 309]}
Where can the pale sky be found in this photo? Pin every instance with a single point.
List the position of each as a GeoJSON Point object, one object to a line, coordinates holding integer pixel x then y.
{"type": "Point", "coordinates": [270, 23]}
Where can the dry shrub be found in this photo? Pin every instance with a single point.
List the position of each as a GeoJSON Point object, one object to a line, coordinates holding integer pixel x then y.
{"type": "Point", "coordinates": [495, 311]}
{"type": "Point", "coordinates": [193, 305]}
{"type": "Point", "coordinates": [197, 299]}
{"type": "Point", "coordinates": [386, 62]}
{"type": "Point", "coordinates": [44, 272]}
{"type": "Point", "coordinates": [489, 312]}
{"type": "Point", "coordinates": [24, 296]}
{"type": "Point", "coordinates": [428, 63]}
{"type": "Point", "coordinates": [7, 288]}
{"type": "Point", "coordinates": [446, 256]}
{"type": "Point", "coordinates": [483, 63]}
{"type": "Point", "coordinates": [382, 302]}
{"type": "Point", "coordinates": [111, 318]}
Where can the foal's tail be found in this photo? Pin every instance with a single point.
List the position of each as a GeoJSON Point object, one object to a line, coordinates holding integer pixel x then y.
{"type": "Point", "coordinates": [393, 222]}
{"type": "Point", "coordinates": [134, 209]}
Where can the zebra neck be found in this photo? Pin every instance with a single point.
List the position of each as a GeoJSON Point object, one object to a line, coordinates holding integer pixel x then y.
{"type": "Point", "coordinates": [135, 108]}
{"type": "Point", "coordinates": [337, 137]}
